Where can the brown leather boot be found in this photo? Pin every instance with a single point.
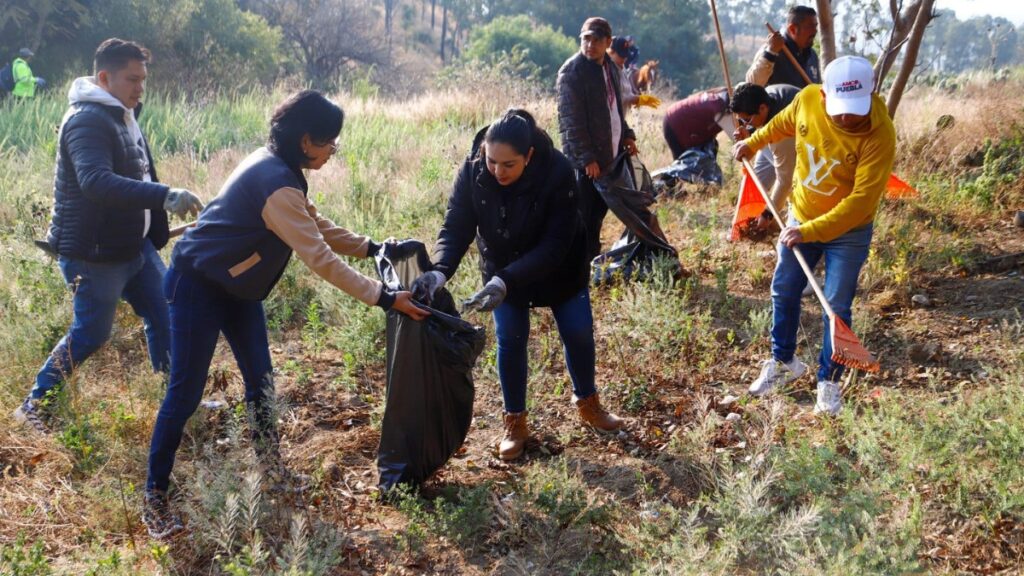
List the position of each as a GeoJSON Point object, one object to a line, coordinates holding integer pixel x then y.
{"type": "Point", "coordinates": [595, 416]}
{"type": "Point", "coordinates": [516, 433]}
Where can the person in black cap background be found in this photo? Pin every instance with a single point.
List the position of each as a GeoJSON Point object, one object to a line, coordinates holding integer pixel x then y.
{"type": "Point", "coordinates": [624, 54]}
{"type": "Point", "coordinates": [24, 81]}
{"type": "Point", "coordinates": [591, 120]}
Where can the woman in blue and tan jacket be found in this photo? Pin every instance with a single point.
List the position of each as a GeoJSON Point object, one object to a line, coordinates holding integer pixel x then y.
{"type": "Point", "coordinates": [223, 269]}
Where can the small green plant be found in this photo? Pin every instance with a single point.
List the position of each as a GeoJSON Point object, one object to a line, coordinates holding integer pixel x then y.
{"type": "Point", "coordinates": [564, 497]}
{"type": "Point", "coordinates": [759, 320]}
{"type": "Point", "coordinates": [463, 518]}
{"type": "Point", "coordinates": [637, 397]}
{"type": "Point", "coordinates": [161, 553]}
{"type": "Point", "coordinates": [81, 439]}
{"type": "Point", "coordinates": [314, 331]}
{"type": "Point", "coordinates": [22, 559]}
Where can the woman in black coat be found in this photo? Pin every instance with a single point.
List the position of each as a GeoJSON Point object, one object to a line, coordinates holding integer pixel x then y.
{"type": "Point", "coordinates": [516, 195]}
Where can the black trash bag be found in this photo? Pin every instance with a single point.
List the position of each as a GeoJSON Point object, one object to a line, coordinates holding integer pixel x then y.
{"type": "Point", "coordinates": [633, 255]}
{"type": "Point", "coordinates": [430, 363]}
{"type": "Point", "coordinates": [697, 165]}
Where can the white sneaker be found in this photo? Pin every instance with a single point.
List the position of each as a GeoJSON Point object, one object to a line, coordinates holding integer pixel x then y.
{"type": "Point", "coordinates": [774, 373]}
{"type": "Point", "coordinates": [830, 398]}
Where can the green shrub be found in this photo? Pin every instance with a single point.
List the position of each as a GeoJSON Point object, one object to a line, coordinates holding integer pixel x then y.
{"type": "Point", "coordinates": [21, 559]}
{"type": "Point", "coordinates": [538, 45]}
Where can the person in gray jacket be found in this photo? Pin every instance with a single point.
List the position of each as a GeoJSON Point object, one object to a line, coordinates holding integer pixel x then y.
{"type": "Point", "coordinates": [109, 219]}
{"type": "Point", "coordinates": [752, 107]}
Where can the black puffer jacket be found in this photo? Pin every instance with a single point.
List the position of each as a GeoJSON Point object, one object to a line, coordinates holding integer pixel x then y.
{"type": "Point", "coordinates": [583, 117]}
{"type": "Point", "coordinates": [784, 71]}
{"type": "Point", "coordinates": [529, 234]}
{"type": "Point", "coordinates": [99, 192]}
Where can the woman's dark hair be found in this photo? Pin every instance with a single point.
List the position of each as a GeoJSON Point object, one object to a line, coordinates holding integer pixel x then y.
{"type": "Point", "coordinates": [748, 97]}
{"type": "Point", "coordinates": [305, 112]}
{"type": "Point", "coordinates": [516, 128]}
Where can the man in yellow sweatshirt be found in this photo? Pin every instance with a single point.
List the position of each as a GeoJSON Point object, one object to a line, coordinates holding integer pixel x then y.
{"type": "Point", "coordinates": [846, 144]}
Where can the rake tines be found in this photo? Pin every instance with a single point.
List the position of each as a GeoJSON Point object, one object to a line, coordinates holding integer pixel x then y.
{"type": "Point", "coordinates": [847, 349]}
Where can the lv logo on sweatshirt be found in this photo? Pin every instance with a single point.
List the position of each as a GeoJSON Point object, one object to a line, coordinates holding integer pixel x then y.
{"type": "Point", "coordinates": [818, 171]}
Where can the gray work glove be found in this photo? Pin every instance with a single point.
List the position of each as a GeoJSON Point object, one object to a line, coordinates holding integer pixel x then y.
{"type": "Point", "coordinates": [488, 298]}
{"type": "Point", "coordinates": [424, 287]}
{"type": "Point", "coordinates": [181, 202]}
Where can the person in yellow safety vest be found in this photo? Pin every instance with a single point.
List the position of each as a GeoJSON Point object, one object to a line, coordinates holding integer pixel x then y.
{"type": "Point", "coordinates": [24, 82]}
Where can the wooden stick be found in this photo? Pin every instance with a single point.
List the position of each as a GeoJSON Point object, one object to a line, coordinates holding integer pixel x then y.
{"type": "Point", "coordinates": [721, 52]}
{"type": "Point", "coordinates": [792, 59]}
{"type": "Point", "coordinates": [725, 70]}
{"type": "Point", "coordinates": [796, 250]}
{"type": "Point", "coordinates": [179, 230]}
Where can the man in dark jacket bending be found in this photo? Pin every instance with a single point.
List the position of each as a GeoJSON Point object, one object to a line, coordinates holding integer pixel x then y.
{"type": "Point", "coordinates": [591, 120]}
{"type": "Point", "coordinates": [109, 219]}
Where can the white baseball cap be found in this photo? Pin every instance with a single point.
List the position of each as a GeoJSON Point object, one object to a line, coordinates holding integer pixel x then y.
{"type": "Point", "coordinates": [848, 82]}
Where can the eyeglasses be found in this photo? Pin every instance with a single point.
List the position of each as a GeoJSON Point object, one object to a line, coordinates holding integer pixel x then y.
{"type": "Point", "coordinates": [743, 122]}
{"type": "Point", "coordinates": [333, 145]}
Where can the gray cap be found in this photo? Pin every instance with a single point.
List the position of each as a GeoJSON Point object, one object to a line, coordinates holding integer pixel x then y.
{"type": "Point", "coordinates": [26, 53]}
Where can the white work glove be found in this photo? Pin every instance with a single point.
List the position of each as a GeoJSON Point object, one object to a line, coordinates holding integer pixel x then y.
{"type": "Point", "coordinates": [424, 287]}
{"type": "Point", "coordinates": [488, 298]}
{"type": "Point", "coordinates": [181, 202]}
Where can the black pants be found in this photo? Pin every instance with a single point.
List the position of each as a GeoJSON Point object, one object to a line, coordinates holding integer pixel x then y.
{"type": "Point", "coordinates": [593, 209]}
{"type": "Point", "coordinates": [673, 142]}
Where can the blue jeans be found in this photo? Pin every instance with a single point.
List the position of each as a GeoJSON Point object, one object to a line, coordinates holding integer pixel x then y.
{"type": "Point", "coordinates": [844, 258]}
{"type": "Point", "coordinates": [98, 287]}
{"type": "Point", "coordinates": [200, 310]}
{"type": "Point", "coordinates": [575, 322]}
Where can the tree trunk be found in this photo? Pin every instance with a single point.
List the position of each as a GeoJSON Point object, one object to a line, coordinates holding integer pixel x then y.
{"type": "Point", "coordinates": [444, 28]}
{"type": "Point", "coordinates": [43, 10]}
{"type": "Point", "coordinates": [827, 32]}
{"type": "Point", "coordinates": [902, 23]}
{"type": "Point", "coordinates": [433, 5]}
{"type": "Point", "coordinates": [389, 21]}
{"type": "Point", "coordinates": [924, 16]}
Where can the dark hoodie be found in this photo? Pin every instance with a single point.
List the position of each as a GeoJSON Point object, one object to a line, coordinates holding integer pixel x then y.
{"type": "Point", "coordinates": [529, 233]}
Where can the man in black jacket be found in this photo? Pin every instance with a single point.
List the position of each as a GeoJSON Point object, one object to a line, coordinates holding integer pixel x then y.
{"type": "Point", "coordinates": [591, 120]}
{"type": "Point", "coordinates": [772, 66]}
{"type": "Point", "coordinates": [109, 219]}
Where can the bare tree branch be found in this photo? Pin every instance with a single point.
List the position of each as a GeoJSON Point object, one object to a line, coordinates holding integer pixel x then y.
{"type": "Point", "coordinates": [327, 34]}
{"type": "Point", "coordinates": [923, 17]}
{"type": "Point", "coordinates": [902, 21]}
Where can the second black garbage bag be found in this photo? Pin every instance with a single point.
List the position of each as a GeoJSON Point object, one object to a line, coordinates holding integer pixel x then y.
{"type": "Point", "coordinates": [633, 255]}
{"type": "Point", "coordinates": [430, 390]}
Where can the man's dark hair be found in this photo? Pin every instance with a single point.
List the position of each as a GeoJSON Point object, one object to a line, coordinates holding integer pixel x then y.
{"type": "Point", "coordinates": [748, 97]}
{"type": "Point", "coordinates": [797, 14]}
{"type": "Point", "coordinates": [305, 112]}
{"type": "Point", "coordinates": [114, 54]}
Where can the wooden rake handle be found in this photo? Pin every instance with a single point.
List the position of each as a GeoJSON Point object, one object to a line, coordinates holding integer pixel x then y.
{"type": "Point", "coordinates": [792, 59]}
{"type": "Point", "coordinates": [796, 250]}
{"type": "Point", "coordinates": [179, 230]}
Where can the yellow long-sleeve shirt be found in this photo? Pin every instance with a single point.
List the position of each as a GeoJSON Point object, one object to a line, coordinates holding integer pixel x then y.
{"type": "Point", "coordinates": [840, 175]}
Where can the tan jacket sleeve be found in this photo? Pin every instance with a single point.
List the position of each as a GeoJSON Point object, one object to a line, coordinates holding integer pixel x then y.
{"type": "Point", "coordinates": [287, 214]}
{"type": "Point", "coordinates": [761, 69]}
{"type": "Point", "coordinates": [339, 239]}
